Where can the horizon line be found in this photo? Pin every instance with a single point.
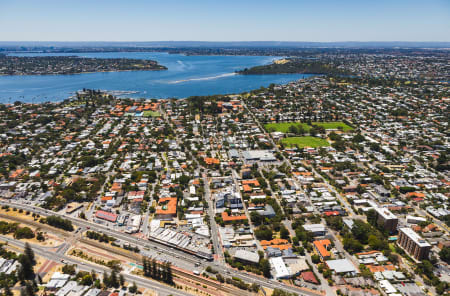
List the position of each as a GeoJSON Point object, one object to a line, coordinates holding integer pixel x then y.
{"type": "Point", "coordinates": [230, 41]}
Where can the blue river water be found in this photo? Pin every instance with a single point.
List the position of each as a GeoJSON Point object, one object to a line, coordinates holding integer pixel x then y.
{"type": "Point", "coordinates": [186, 76]}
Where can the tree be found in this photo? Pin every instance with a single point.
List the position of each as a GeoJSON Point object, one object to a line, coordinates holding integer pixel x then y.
{"type": "Point", "coordinates": [26, 270]}
{"type": "Point", "coordinates": [154, 269]}
{"type": "Point", "coordinates": [24, 232]}
{"type": "Point", "coordinates": [40, 236]}
{"type": "Point", "coordinates": [59, 222]}
{"type": "Point", "coordinates": [114, 282]}
{"type": "Point", "coordinates": [164, 272]}
{"type": "Point", "coordinates": [69, 269]}
{"type": "Point", "coordinates": [169, 278]}
{"type": "Point", "coordinates": [284, 233]}
{"type": "Point", "coordinates": [293, 129]}
{"type": "Point", "coordinates": [106, 281]}
{"type": "Point", "coordinates": [377, 243]}
{"type": "Point", "coordinates": [335, 222]}
{"type": "Point", "coordinates": [255, 287]}
{"type": "Point", "coordinates": [145, 267]}
{"type": "Point", "coordinates": [279, 292]}
{"type": "Point", "coordinates": [315, 258]}
{"type": "Point", "coordinates": [7, 290]}
{"type": "Point", "coordinates": [264, 233]}
{"type": "Point", "coordinates": [28, 251]}
{"type": "Point", "coordinates": [444, 254]}
{"type": "Point", "coordinates": [358, 138]}
{"type": "Point", "coordinates": [361, 231]}
{"type": "Point", "coordinates": [133, 288]}
{"type": "Point", "coordinates": [87, 280]}
{"type": "Point", "coordinates": [256, 218]}
{"type": "Point", "coordinates": [352, 245]}
{"type": "Point", "coordinates": [264, 265]}
{"type": "Point", "coordinates": [28, 290]}
{"type": "Point", "coordinates": [372, 217]}
{"type": "Point", "coordinates": [121, 280]}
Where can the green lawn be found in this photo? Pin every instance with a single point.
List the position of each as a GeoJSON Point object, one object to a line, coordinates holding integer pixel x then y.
{"type": "Point", "coordinates": [334, 125]}
{"type": "Point", "coordinates": [151, 114]}
{"type": "Point", "coordinates": [284, 126]}
{"type": "Point", "coordinates": [305, 142]}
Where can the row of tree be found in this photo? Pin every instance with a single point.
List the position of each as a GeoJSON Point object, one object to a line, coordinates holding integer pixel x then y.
{"type": "Point", "coordinates": [158, 271]}
{"type": "Point", "coordinates": [58, 222]}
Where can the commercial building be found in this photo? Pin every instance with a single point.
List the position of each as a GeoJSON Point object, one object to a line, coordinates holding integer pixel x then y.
{"type": "Point", "coordinates": [258, 155]}
{"type": "Point", "coordinates": [415, 220]}
{"type": "Point", "coordinates": [316, 229]}
{"type": "Point", "coordinates": [341, 266]}
{"type": "Point", "coordinates": [111, 217]}
{"type": "Point", "coordinates": [386, 219]}
{"type": "Point", "coordinates": [246, 256]}
{"type": "Point", "coordinates": [412, 243]}
{"type": "Point", "coordinates": [279, 267]}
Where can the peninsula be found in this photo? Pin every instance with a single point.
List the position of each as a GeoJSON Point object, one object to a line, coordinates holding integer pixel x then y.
{"type": "Point", "coordinates": [46, 65]}
{"type": "Point", "coordinates": [297, 65]}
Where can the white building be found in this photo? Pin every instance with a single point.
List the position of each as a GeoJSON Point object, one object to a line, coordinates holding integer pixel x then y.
{"type": "Point", "coordinates": [279, 267]}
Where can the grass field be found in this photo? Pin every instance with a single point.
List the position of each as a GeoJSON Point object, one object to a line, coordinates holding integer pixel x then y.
{"type": "Point", "coordinates": [334, 125]}
{"type": "Point", "coordinates": [151, 114]}
{"type": "Point", "coordinates": [302, 142]}
{"type": "Point", "coordinates": [284, 126]}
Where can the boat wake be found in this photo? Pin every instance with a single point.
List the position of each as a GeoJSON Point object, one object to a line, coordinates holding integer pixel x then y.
{"type": "Point", "coordinates": [202, 78]}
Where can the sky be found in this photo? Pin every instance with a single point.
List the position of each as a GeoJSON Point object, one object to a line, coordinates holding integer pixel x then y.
{"type": "Point", "coordinates": [225, 20]}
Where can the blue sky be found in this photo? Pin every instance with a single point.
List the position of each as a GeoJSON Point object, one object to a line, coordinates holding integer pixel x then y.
{"type": "Point", "coordinates": [227, 20]}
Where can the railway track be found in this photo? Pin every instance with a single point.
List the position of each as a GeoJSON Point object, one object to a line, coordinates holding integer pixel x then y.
{"type": "Point", "coordinates": [139, 258]}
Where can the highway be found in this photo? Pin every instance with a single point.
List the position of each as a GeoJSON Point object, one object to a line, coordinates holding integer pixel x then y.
{"type": "Point", "coordinates": [176, 256]}
{"type": "Point", "coordinates": [57, 257]}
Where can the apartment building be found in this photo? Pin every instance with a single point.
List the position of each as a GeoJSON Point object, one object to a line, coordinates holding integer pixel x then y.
{"type": "Point", "coordinates": [412, 243]}
{"type": "Point", "coordinates": [387, 219]}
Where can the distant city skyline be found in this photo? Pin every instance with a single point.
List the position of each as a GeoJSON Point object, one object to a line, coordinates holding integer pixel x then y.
{"type": "Point", "coordinates": [202, 20]}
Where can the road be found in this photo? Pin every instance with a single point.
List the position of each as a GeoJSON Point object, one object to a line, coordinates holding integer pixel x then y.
{"type": "Point", "coordinates": [57, 257]}
{"type": "Point", "coordinates": [214, 231]}
{"type": "Point", "coordinates": [176, 256]}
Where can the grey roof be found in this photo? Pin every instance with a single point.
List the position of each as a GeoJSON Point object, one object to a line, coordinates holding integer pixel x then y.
{"type": "Point", "coordinates": [263, 155]}
{"type": "Point", "coordinates": [233, 153]}
{"type": "Point", "coordinates": [247, 256]}
{"type": "Point", "coordinates": [341, 266]}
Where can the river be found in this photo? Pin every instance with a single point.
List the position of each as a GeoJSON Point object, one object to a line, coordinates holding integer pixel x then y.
{"type": "Point", "coordinates": [186, 76]}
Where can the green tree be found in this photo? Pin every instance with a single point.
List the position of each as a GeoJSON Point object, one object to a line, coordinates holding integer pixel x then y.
{"type": "Point", "coordinates": [121, 280]}
{"type": "Point", "coordinates": [133, 289]}
{"type": "Point", "coordinates": [279, 292]}
{"type": "Point", "coordinates": [28, 251]}
{"type": "Point", "coordinates": [169, 278]}
{"type": "Point", "coordinates": [444, 254]}
{"type": "Point", "coordinates": [315, 258]}
{"type": "Point", "coordinates": [284, 232]}
{"type": "Point", "coordinates": [7, 290]}
{"type": "Point", "coordinates": [264, 266]}
{"type": "Point", "coordinates": [114, 281]}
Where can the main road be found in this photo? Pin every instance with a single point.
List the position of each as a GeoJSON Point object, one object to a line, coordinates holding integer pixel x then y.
{"type": "Point", "coordinates": [57, 257]}
{"type": "Point", "coordinates": [176, 256]}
